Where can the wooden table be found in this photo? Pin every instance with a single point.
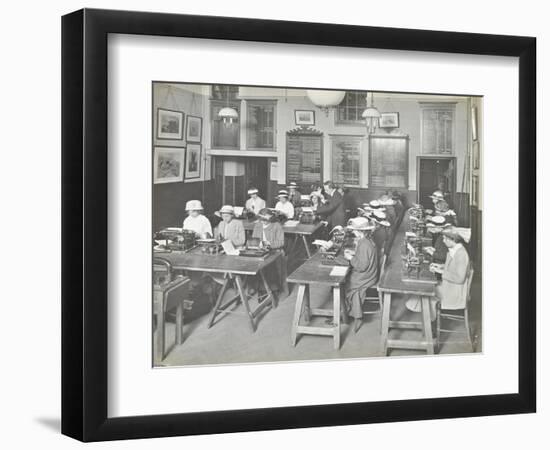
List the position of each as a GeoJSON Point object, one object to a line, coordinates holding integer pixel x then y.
{"type": "Point", "coordinates": [233, 268]}
{"type": "Point", "coordinates": [299, 233]}
{"type": "Point", "coordinates": [314, 272]}
{"type": "Point", "coordinates": [166, 297]}
{"type": "Point", "coordinates": [392, 283]}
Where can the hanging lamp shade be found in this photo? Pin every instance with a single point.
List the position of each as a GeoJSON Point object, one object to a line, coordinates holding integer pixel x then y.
{"type": "Point", "coordinates": [325, 99]}
{"type": "Point", "coordinates": [229, 115]}
{"type": "Point", "coordinates": [371, 115]}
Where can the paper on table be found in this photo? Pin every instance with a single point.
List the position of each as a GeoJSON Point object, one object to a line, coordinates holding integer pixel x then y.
{"type": "Point", "coordinates": [229, 248]}
{"type": "Point", "coordinates": [291, 223]}
{"type": "Point", "coordinates": [338, 271]}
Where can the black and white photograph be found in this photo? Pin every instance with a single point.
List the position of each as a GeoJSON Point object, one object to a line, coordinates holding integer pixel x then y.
{"type": "Point", "coordinates": [365, 243]}
{"type": "Point", "coordinates": [168, 164]}
{"type": "Point", "coordinates": [193, 131]}
{"type": "Point", "coordinates": [169, 124]}
{"type": "Point", "coordinates": [305, 117]}
{"type": "Point", "coordinates": [193, 161]}
{"type": "Point", "coordinates": [389, 120]}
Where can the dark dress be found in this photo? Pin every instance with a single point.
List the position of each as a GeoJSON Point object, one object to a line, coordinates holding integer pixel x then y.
{"type": "Point", "coordinates": [333, 210]}
{"type": "Point", "coordinates": [363, 274]}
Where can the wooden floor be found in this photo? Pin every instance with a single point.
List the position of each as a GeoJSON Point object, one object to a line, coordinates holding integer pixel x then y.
{"type": "Point", "coordinates": [230, 340]}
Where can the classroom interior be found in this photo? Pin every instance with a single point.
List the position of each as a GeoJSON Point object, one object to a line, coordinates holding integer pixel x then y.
{"type": "Point", "coordinates": [414, 144]}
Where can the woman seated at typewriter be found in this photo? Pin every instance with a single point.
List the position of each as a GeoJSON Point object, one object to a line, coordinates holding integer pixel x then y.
{"type": "Point", "coordinates": [294, 195]}
{"type": "Point", "coordinates": [364, 266]}
{"type": "Point", "coordinates": [284, 205]}
{"type": "Point", "coordinates": [271, 235]}
{"type": "Point", "coordinates": [195, 221]}
{"type": "Point", "coordinates": [454, 274]}
{"type": "Point", "coordinates": [254, 204]}
{"type": "Point", "coordinates": [228, 228]}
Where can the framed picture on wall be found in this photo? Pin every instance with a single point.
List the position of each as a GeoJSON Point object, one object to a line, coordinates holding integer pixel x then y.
{"type": "Point", "coordinates": [193, 161]}
{"type": "Point", "coordinates": [304, 117]}
{"type": "Point", "coordinates": [170, 124]}
{"type": "Point", "coordinates": [389, 120]}
{"type": "Point", "coordinates": [193, 131]}
{"type": "Point", "coordinates": [168, 164]}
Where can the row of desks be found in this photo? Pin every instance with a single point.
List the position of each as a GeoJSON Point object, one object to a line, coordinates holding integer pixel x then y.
{"type": "Point", "coordinates": [393, 287]}
{"type": "Point", "coordinates": [236, 268]}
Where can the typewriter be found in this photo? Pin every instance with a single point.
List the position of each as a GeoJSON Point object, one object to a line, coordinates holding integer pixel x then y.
{"type": "Point", "coordinates": [210, 246]}
{"type": "Point", "coordinates": [254, 248]}
{"type": "Point", "coordinates": [174, 239]}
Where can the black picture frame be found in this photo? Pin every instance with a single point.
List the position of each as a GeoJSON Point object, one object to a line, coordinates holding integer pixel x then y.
{"type": "Point", "coordinates": [170, 136]}
{"type": "Point", "coordinates": [84, 224]}
{"type": "Point", "coordinates": [189, 138]}
{"type": "Point", "coordinates": [309, 122]}
{"type": "Point", "coordinates": [389, 115]}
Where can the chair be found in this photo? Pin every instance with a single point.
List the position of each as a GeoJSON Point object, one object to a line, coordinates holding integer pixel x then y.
{"type": "Point", "coordinates": [373, 299]}
{"type": "Point", "coordinates": [169, 293]}
{"type": "Point", "coordinates": [453, 316]}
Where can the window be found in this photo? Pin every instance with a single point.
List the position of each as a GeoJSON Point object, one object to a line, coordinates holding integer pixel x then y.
{"type": "Point", "coordinates": [438, 128]}
{"type": "Point", "coordinates": [346, 160]}
{"type": "Point", "coordinates": [224, 92]}
{"type": "Point", "coordinates": [226, 136]}
{"type": "Point", "coordinates": [388, 162]}
{"type": "Point", "coordinates": [260, 125]}
{"type": "Point", "coordinates": [351, 108]}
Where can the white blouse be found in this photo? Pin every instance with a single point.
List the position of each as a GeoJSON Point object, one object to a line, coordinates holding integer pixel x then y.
{"type": "Point", "coordinates": [200, 225]}
{"type": "Point", "coordinates": [286, 208]}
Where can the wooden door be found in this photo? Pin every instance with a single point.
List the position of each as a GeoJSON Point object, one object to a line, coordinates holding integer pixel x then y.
{"type": "Point", "coordinates": [435, 173]}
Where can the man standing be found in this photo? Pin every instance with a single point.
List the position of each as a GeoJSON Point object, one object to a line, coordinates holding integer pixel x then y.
{"type": "Point", "coordinates": [333, 210]}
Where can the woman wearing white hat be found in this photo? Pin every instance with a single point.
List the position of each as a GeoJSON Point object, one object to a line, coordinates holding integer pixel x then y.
{"type": "Point", "coordinates": [364, 266]}
{"type": "Point", "coordinates": [195, 221]}
{"type": "Point", "coordinates": [294, 195]}
{"type": "Point", "coordinates": [283, 205]}
{"type": "Point", "coordinates": [254, 204]}
{"type": "Point", "coordinates": [229, 229]}
{"type": "Point", "coordinates": [454, 274]}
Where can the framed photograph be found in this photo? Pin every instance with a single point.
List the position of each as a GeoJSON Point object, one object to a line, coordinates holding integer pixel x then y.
{"type": "Point", "coordinates": [168, 164]}
{"type": "Point", "coordinates": [304, 117]}
{"type": "Point", "coordinates": [141, 296]}
{"type": "Point", "coordinates": [169, 124]}
{"type": "Point", "coordinates": [389, 120]}
{"type": "Point", "coordinates": [193, 161]}
{"type": "Point", "coordinates": [193, 132]}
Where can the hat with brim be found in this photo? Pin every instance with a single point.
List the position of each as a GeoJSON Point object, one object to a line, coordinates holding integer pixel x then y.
{"type": "Point", "coordinates": [292, 185]}
{"type": "Point", "coordinates": [252, 191]}
{"type": "Point", "coordinates": [378, 217]}
{"type": "Point", "coordinates": [458, 233]}
{"type": "Point", "coordinates": [227, 209]}
{"type": "Point", "coordinates": [282, 193]}
{"type": "Point", "coordinates": [193, 205]}
{"type": "Point", "coordinates": [360, 224]}
{"type": "Point", "coordinates": [368, 207]}
{"type": "Point", "coordinates": [437, 195]}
